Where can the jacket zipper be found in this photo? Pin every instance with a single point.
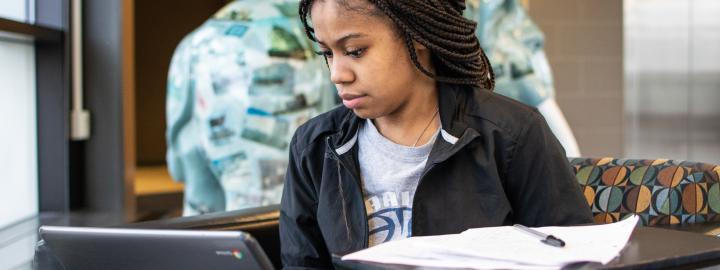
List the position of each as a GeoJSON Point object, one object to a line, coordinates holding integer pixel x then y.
{"type": "Point", "coordinates": [342, 197]}
{"type": "Point", "coordinates": [344, 206]}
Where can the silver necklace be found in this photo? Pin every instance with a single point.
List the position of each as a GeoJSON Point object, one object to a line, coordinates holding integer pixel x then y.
{"type": "Point", "coordinates": [426, 127]}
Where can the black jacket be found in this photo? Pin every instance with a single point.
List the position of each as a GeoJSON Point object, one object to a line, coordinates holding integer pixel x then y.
{"type": "Point", "coordinates": [495, 163]}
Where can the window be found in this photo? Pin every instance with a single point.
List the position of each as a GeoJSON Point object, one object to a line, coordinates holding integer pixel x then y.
{"type": "Point", "coordinates": [32, 82]}
{"type": "Point", "coordinates": [672, 101]}
{"type": "Point", "coordinates": [18, 10]}
{"type": "Point", "coordinates": [18, 141]}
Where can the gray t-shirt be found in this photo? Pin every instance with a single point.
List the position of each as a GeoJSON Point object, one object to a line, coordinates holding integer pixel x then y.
{"type": "Point", "coordinates": [390, 173]}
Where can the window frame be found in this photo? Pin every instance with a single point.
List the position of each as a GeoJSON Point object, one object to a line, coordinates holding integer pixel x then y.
{"type": "Point", "coordinates": [49, 34]}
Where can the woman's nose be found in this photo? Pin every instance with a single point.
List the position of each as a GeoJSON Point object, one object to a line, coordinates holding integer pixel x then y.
{"type": "Point", "coordinates": [340, 73]}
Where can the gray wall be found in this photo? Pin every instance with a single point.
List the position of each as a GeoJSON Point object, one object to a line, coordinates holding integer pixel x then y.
{"type": "Point", "coordinates": [584, 44]}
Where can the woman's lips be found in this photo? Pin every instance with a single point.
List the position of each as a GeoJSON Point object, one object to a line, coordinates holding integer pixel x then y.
{"type": "Point", "coordinates": [351, 101]}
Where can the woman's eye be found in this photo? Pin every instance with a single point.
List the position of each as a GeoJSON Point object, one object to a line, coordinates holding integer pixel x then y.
{"type": "Point", "coordinates": [355, 53]}
{"type": "Point", "coordinates": [326, 54]}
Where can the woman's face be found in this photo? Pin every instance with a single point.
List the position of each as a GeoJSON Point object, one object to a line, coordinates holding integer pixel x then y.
{"type": "Point", "coordinates": [368, 61]}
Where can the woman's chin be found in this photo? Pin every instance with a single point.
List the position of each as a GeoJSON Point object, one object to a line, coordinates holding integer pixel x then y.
{"type": "Point", "coordinates": [364, 113]}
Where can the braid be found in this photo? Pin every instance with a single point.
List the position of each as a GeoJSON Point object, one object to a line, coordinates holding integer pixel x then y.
{"type": "Point", "coordinates": [439, 26]}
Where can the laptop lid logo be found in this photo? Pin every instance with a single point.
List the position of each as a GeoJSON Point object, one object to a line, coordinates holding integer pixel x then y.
{"type": "Point", "coordinates": [235, 253]}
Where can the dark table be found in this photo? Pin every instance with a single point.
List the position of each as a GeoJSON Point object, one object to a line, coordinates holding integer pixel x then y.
{"type": "Point", "coordinates": [648, 248]}
{"type": "Point", "coordinates": [655, 248]}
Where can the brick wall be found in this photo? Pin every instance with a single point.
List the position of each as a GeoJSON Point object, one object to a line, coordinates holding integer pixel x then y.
{"type": "Point", "coordinates": [584, 44]}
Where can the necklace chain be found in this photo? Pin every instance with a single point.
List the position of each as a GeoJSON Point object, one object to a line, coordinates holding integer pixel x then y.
{"type": "Point", "coordinates": [426, 127]}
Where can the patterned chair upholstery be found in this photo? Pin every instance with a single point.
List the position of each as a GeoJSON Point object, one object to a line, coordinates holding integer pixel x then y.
{"type": "Point", "coordinates": [661, 192]}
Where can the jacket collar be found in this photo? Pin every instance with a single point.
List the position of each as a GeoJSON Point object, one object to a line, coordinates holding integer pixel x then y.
{"type": "Point", "coordinates": [456, 103]}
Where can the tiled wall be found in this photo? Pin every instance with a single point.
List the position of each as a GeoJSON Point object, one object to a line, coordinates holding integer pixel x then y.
{"type": "Point", "coordinates": [584, 44]}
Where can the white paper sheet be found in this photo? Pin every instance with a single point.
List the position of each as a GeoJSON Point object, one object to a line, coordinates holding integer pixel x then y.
{"type": "Point", "coordinates": [505, 247]}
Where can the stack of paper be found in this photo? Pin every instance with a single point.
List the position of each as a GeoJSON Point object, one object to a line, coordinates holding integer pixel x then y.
{"type": "Point", "coordinates": [504, 247]}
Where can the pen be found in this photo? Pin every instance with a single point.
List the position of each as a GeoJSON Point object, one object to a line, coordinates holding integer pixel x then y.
{"type": "Point", "coordinates": [545, 238]}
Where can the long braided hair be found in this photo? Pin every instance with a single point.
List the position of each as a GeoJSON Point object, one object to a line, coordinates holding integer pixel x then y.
{"type": "Point", "coordinates": [439, 26]}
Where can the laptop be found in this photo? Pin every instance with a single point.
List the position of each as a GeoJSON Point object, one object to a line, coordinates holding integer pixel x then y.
{"type": "Point", "coordinates": [117, 248]}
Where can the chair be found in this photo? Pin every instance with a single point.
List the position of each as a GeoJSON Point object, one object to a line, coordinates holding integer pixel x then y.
{"type": "Point", "coordinates": [661, 192]}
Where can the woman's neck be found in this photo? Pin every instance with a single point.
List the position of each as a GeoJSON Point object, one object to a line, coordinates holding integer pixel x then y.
{"type": "Point", "coordinates": [415, 122]}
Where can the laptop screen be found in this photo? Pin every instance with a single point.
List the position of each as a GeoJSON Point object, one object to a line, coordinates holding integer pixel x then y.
{"type": "Point", "coordinates": [117, 248]}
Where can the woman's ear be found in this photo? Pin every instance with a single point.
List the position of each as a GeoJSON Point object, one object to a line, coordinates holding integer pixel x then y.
{"type": "Point", "coordinates": [423, 54]}
{"type": "Point", "coordinates": [419, 47]}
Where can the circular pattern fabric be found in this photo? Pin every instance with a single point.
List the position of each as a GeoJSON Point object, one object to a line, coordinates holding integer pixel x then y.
{"type": "Point", "coordinates": [659, 191]}
{"type": "Point", "coordinates": [637, 199]}
{"type": "Point", "coordinates": [609, 199]}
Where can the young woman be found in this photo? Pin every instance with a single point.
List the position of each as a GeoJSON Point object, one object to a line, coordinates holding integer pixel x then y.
{"type": "Point", "coordinates": [421, 146]}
